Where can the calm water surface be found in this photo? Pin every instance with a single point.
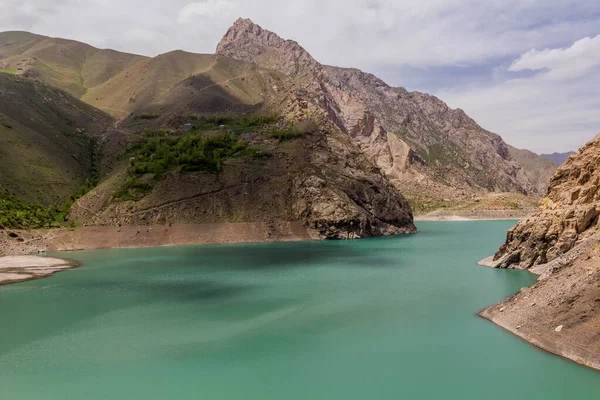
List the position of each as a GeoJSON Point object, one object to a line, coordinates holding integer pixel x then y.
{"type": "Point", "coordinates": [387, 318]}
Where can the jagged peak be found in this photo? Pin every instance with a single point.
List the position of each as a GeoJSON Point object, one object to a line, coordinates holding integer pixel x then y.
{"type": "Point", "coordinates": [248, 41]}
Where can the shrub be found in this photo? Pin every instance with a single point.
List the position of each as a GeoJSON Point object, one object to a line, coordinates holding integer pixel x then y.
{"type": "Point", "coordinates": [146, 116]}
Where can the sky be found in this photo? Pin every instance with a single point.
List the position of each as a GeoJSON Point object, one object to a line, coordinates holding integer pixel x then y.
{"type": "Point", "coordinates": [528, 70]}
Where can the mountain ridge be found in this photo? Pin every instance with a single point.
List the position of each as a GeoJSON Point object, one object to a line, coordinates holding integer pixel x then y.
{"type": "Point", "coordinates": [408, 133]}
{"type": "Point", "coordinates": [558, 158]}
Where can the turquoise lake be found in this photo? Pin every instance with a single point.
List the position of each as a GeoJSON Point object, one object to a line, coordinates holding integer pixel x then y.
{"type": "Point", "coordinates": [385, 318]}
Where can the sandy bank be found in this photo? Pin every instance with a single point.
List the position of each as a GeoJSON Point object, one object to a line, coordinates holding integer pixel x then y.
{"type": "Point", "coordinates": [24, 268]}
{"type": "Point", "coordinates": [472, 215]}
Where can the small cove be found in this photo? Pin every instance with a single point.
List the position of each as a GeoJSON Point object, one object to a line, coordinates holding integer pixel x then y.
{"type": "Point", "coordinates": [382, 318]}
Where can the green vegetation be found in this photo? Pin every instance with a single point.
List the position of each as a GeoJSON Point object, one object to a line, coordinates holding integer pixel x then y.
{"type": "Point", "coordinates": [425, 205]}
{"type": "Point", "coordinates": [191, 152]}
{"type": "Point", "coordinates": [18, 214]}
{"type": "Point", "coordinates": [231, 122]}
{"type": "Point", "coordinates": [147, 116]}
{"type": "Point", "coordinates": [47, 145]}
{"type": "Point", "coordinates": [289, 133]}
{"type": "Point", "coordinates": [15, 213]}
{"type": "Point", "coordinates": [157, 152]}
{"type": "Point", "coordinates": [211, 140]}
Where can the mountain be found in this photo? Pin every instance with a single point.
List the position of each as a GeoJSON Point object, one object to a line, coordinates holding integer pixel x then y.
{"type": "Point", "coordinates": [181, 83]}
{"type": "Point", "coordinates": [557, 158]}
{"type": "Point", "coordinates": [47, 140]}
{"type": "Point", "coordinates": [204, 144]}
{"type": "Point", "coordinates": [66, 64]}
{"type": "Point", "coordinates": [561, 243]}
{"type": "Point", "coordinates": [261, 131]}
{"type": "Point", "coordinates": [427, 149]}
{"type": "Point", "coordinates": [538, 169]}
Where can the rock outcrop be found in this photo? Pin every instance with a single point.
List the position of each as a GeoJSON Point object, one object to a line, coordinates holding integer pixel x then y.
{"type": "Point", "coordinates": [568, 215]}
{"type": "Point", "coordinates": [423, 146]}
{"type": "Point", "coordinates": [560, 312]}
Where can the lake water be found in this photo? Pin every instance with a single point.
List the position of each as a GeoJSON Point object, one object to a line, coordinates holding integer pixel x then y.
{"type": "Point", "coordinates": [385, 318]}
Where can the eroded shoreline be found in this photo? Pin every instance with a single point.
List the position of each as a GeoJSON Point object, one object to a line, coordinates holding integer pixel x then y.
{"type": "Point", "coordinates": [104, 237]}
{"type": "Point", "coordinates": [560, 312]}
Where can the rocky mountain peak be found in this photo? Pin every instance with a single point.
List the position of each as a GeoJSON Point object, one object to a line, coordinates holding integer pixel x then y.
{"type": "Point", "coordinates": [247, 41]}
{"type": "Point", "coordinates": [393, 126]}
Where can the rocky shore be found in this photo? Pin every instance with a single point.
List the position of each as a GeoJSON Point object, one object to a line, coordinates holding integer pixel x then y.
{"type": "Point", "coordinates": [560, 313]}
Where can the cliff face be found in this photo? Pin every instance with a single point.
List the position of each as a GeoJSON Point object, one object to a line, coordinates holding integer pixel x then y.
{"type": "Point", "coordinates": [568, 215]}
{"type": "Point", "coordinates": [423, 146]}
{"type": "Point", "coordinates": [560, 312]}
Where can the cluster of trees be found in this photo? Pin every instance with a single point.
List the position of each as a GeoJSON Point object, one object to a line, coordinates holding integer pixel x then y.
{"type": "Point", "coordinates": [191, 152]}
{"type": "Point", "coordinates": [211, 140]}
{"type": "Point", "coordinates": [233, 123]}
{"type": "Point", "coordinates": [158, 153]}
{"type": "Point", "coordinates": [17, 214]}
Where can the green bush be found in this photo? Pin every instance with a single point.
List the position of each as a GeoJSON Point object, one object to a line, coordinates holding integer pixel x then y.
{"type": "Point", "coordinates": [233, 123]}
{"type": "Point", "coordinates": [288, 133]}
{"type": "Point", "coordinates": [17, 214]}
{"type": "Point", "coordinates": [147, 116]}
{"type": "Point", "coordinates": [157, 154]}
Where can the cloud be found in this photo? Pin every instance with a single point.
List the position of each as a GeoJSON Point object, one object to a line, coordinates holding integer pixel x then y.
{"type": "Point", "coordinates": [466, 46]}
{"type": "Point", "coordinates": [580, 58]}
{"type": "Point", "coordinates": [206, 9]}
{"type": "Point", "coordinates": [555, 110]}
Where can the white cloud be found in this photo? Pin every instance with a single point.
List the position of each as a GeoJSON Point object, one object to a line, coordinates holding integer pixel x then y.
{"type": "Point", "coordinates": [362, 33]}
{"type": "Point", "coordinates": [535, 112]}
{"type": "Point", "coordinates": [580, 58]}
{"type": "Point", "coordinates": [378, 35]}
{"type": "Point", "coordinates": [140, 34]}
{"type": "Point", "coordinates": [206, 9]}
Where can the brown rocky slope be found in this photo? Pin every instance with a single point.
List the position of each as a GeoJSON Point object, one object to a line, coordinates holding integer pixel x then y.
{"type": "Point", "coordinates": [320, 178]}
{"type": "Point", "coordinates": [423, 146]}
{"type": "Point", "coordinates": [561, 311]}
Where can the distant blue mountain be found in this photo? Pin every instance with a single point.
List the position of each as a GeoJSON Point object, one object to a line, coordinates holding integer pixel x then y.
{"type": "Point", "coordinates": [558, 158]}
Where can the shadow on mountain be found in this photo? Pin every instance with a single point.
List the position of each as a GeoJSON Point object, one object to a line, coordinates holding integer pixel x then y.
{"type": "Point", "coordinates": [199, 94]}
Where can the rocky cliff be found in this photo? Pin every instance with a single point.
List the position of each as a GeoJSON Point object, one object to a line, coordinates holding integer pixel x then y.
{"type": "Point", "coordinates": [560, 312]}
{"type": "Point", "coordinates": [568, 215]}
{"type": "Point", "coordinates": [423, 146]}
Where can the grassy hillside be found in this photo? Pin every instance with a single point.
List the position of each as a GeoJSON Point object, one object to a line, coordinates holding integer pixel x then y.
{"type": "Point", "coordinates": [48, 141]}
{"type": "Point", "coordinates": [69, 65]}
{"type": "Point", "coordinates": [180, 83]}
{"type": "Point", "coordinates": [121, 84]}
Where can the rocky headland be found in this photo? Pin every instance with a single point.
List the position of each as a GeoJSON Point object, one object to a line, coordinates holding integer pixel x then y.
{"type": "Point", "coordinates": [561, 243]}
